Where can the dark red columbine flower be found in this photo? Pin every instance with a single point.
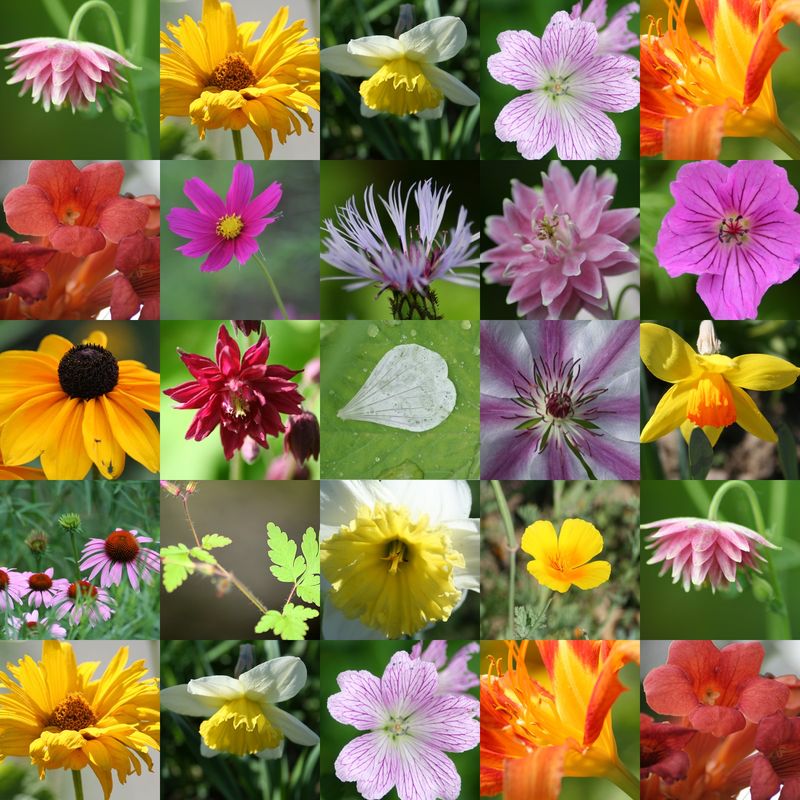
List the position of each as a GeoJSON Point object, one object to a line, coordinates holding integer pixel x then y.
{"type": "Point", "coordinates": [246, 326]}
{"type": "Point", "coordinates": [22, 269]}
{"type": "Point", "coordinates": [302, 436]}
{"type": "Point", "coordinates": [241, 394]}
{"type": "Point", "coordinates": [661, 746]}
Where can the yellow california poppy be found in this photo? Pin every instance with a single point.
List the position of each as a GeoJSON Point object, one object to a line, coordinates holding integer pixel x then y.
{"type": "Point", "coordinates": [217, 74]}
{"type": "Point", "coordinates": [53, 712]}
{"type": "Point", "coordinates": [707, 388]}
{"type": "Point", "coordinates": [74, 405]}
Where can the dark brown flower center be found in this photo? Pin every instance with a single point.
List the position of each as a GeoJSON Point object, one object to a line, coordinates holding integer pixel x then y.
{"type": "Point", "coordinates": [40, 582]}
{"type": "Point", "coordinates": [87, 371]}
{"type": "Point", "coordinates": [72, 714]}
{"type": "Point", "coordinates": [234, 73]}
{"type": "Point", "coordinates": [122, 546]}
{"type": "Point", "coordinates": [85, 589]}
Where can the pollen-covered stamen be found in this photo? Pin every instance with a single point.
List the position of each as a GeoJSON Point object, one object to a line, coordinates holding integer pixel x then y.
{"type": "Point", "coordinates": [70, 216]}
{"type": "Point", "coordinates": [230, 226]}
{"type": "Point", "coordinates": [733, 230]}
{"type": "Point", "coordinates": [557, 86]}
{"type": "Point", "coordinates": [396, 554]}
{"type": "Point", "coordinates": [82, 589]}
{"type": "Point", "coordinates": [233, 74]}
{"type": "Point", "coordinates": [40, 582]}
{"type": "Point", "coordinates": [72, 714]}
{"type": "Point", "coordinates": [87, 371]}
{"type": "Point", "coordinates": [397, 726]}
{"type": "Point", "coordinates": [709, 696]}
{"type": "Point", "coordinates": [121, 546]}
{"type": "Point", "coordinates": [558, 405]}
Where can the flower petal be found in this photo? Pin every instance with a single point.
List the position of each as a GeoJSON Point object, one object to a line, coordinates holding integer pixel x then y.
{"type": "Point", "coordinates": [359, 703]}
{"type": "Point", "coordinates": [205, 199]}
{"type": "Point", "coordinates": [670, 413]}
{"type": "Point", "coordinates": [537, 775]}
{"type": "Point", "coordinates": [385, 48]}
{"type": "Point", "coordinates": [540, 540]}
{"type": "Point", "coordinates": [24, 435]}
{"type": "Point", "coordinates": [697, 136]}
{"type": "Point", "coordinates": [291, 727]}
{"type": "Point", "coordinates": [99, 441]}
{"type": "Point", "coordinates": [277, 680]}
{"type": "Point", "coordinates": [29, 210]}
{"type": "Point", "coordinates": [750, 418]}
{"type": "Point", "coordinates": [762, 373]}
{"type": "Point", "coordinates": [591, 575]}
{"type": "Point", "coordinates": [178, 700]}
{"type": "Point", "coordinates": [241, 189]}
{"type": "Point", "coordinates": [666, 354]}
{"type": "Point", "coordinates": [578, 542]}
{"type": "Point", "coordinates": [133, 429]}
{"type": "Point", "coordinates": [435, 40]}
{"type": "Point", "coordinates": [451, 87]}
{"type": "Point", "coordinates": [607, 687]}
{"type": "Point", "coordinates": [65, 457]}
{"type": "Point", "coordinates": [339, 59]}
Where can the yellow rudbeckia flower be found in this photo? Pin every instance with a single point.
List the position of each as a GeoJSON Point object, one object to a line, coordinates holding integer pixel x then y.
{"type": "Point", "coordinates": [707, 389]}
{"type": "Point", "coordinates": [217, 74]}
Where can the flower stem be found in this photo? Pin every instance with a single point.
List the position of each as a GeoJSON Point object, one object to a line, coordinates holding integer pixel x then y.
{"type": "Point", "coordinates": [502, 506]}
{"type": "Point", "coordinates": [262, 262]}
{"type": "Point", "coordinates": [245, 591]}
{"type": "Point", "coordinates": [625, 289]}
{"type": "Point", "coordinates": [75, 556]}
{"type": "Point", "coordinates": [558, 490]}
{"type": "Point", "coordinates": [236, 467]}
{"type": "Point", "coordinates": [77, 784]}
{"type": "Point", "coordinates": [185, 500]}
{"type": "Point", "coordinates": [624, 779]}
{"type": "Point", "coordinates": [781, 136]}
{"type": "Point", "coordinates": [237, 145]}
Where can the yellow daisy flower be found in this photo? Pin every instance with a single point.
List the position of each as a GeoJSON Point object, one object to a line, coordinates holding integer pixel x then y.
{"type": "Point", "coordinates": [74, 405]}
{"type": "Point", "coordinates": [53, 712]}
{"type": "Point", "coordinates": [217, 74]}
{"type": "Point", "coordinates": [19, 473]}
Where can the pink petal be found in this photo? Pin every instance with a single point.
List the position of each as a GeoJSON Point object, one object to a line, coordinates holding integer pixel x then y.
{"type": "Point", "coordinates": [241, 189]}
{"type": "Point", "coordinates": [204, 198]}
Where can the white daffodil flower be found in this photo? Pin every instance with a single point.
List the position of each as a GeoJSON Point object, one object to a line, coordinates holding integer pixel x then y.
{"type": "Point", "coordinates": [402, 78]}
{"type": "Point", "coordinates": [396, 556]}
{"type": "Point", "coordinates": [242, 716]}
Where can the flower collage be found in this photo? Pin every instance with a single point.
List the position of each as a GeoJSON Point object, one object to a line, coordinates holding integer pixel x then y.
{"type": "Point", "coordinates": [505, 426]}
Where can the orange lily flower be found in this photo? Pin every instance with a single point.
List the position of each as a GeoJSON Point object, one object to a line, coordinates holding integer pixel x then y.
{"type": "Point", "coordinates": [534, 733]}
{"type": "Point", "coordinates": [692, 97]}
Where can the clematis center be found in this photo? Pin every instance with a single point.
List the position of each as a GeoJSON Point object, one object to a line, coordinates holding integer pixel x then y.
{"type": "Point", "coordinates": [121, 546]}
{"type": "Point", "coordinates": [558, 405]}
{"type": "Point", "coordinates": [711, 402]}
{"type": "Point", "coordinates": [233, 74]}
{"type": "Point", "coordinates": [400, 87]}
{"type": "Point", "coordinates": [397, 553]}
{"type": "Point", "coordinates": [40, 582]}
{"type": "Point", "coordinates": [72, 714]}
{"type": "Point", "coordinates": [230, 226]}
{"type": "Point", "coordinates": [733, 230]}
{"type": "Point", "coordinates": [87, 371]}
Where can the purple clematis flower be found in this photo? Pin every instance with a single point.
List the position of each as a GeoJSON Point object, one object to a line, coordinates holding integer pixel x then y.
{"type": "Point", "coordinates": [614, 39]}
{"type": "Point", "coordinates": [568, 85]}
{"type": "Point", "coordinates": [736, 227]}
{"type": "Point", "coordinates": [559, 400]}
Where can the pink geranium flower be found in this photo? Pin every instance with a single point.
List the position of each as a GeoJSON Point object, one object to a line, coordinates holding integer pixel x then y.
{"type": "Point", "coordinates": [12, 587]}
{"type": "Point", "coordinates": [59, 70]}
{"type": "Point", "coordinates": [614, 38]}
{"type": "Point", "coordinates": [79, 600]}
{"type": "Point", "coordinates": [31, 626]}
{"type": "Point", "coordinates": [119, 553]}
{"type": "Point", "coordinates": [41, 589]}
{"type": "Point", "coordinates": [455, 676]}
{"type": "Point", "coordinates": [411, 727]}
{"type": "Point", "coordinates": [224, 229]}
{"type": "Point", "coordinates": [568, 86]}
{"type": "Point", "coordinates": [22, 269]}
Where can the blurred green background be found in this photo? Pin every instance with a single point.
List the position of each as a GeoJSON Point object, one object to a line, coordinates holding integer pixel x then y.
{"type": "Point", "coordinates": [669, 612]}
{"type": "Point", "coordinates": [503, 15]}
{"type": "Point", "coordinates": [341, 181]}
{"type": "Point", "coordinates": [35, 133]}
{"type": "Point", "coordinates": [348, 135]}
{"type": "Point", "coordinates": [785, 82]}
{"type": "Point", "coordinates": [373, 657]}
{"type": "Point", "coordinates": [355, 449]}
{"type": "Point", "coordinates": [610, 611]}
{"type": "Point", "coordinates": [496, 187]}
{"type": "Point", "coordinates": [663, 296]}
{"type": "Point", "coordinates": [186, 775]}
{"type": "Point", "coordinates": [241, 512]}
{"type": "Point", "coordinates": [126, 340]}
{"type": "Point", "coordinates": [290, 246]}
{"type": "Point", "coordinates": [737, 454]}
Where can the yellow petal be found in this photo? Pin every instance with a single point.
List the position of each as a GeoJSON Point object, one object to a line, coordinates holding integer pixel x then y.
{"type": "Point", "coordinates": [665, 354]}
{"type": "Point", "coordinates": [669, 414]}
{"type": "Point", "coordinates": [98, 338]}
{"type": "Point", "coordinates": [591, 575]}
{"type": "Point", "coordinates": [65, 457]}
{"type": "Point", "coordinates": [549, 577]}
{"type": "Point", "coordinates": [133, 429]}
{"type": "Point", "coordinates": [60, 667]}
{"type": "Point", "coordinates": [750, 418]}
{"type": "Point", "coordinates": [762, 373]}
{"type": "Point", "coordinates": [25, 434]}
{"type": "Point", "coordinates": [142, 385]}
{"type": "Point", "coordinates": [219, 24]}
{"type": "Point", "coordinates": [578, 542]}
{"type": "Point", "coordinates": [99, 441]}
{"type": "Point", "coordinates": [540, 541]}
{"type": "Point", "coordinates": [715, 363]}
{"type": "Point", "coordinates": [712, 433]}
{"type": "Point", "coordinates": [55, 346]}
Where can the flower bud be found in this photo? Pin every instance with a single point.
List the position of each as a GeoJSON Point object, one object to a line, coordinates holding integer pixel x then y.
{"type": "Point", "coordinates": [251, 450]}
{"type": "Point", "coordinates": [762, 589]}
{"type": "Point", "coordinates": [171, 488]}
{"type": "Point", "coordinates": [302, 436]}
{"type": "Point", "coordinates": [191, 487]}
{"type": "Point", "coordinates": [707, 342]}
{"type": "Point", "coordinates": [37, 542]}
{"type": "Point", "coordinates": [285, 468]}
{"type": "Point", "coordinates": [70, 522]}
{"type": "Point", "coordinates": [246, 326]}
{"type": "Point", "coordinates": [311, 371]}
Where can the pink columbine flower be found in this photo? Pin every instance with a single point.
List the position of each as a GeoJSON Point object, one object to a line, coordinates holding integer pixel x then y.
{"type": "Point", "coordinates": [12, 587]}
{"type": "Point", "coordinates": [224, 229]}
{"type": "Point", "coordinates": [36, 628]}
{"type": "Point", "coordinates": [411, 727]}
{"type": "Point", "coordinates": [699, 550]}
{"type": "Point", "coordinates": [119, 553]}
{"type": "Point", "coordinates": [557, 244]}
{"type": "Point", "coordinates": [41, 589]}
{"type": "Point", "coordinates": [59, 70]}
{"type": "Point", "coordinates": [737, 228]}
{"type": "Point", "coordinates": [455, 677]}
{"type": "Point", "coordinates": [82, 599]}
{"type": "Point", "coordinates": [568, 86]}
{"type": "Point", "coordinates": [615, 38]}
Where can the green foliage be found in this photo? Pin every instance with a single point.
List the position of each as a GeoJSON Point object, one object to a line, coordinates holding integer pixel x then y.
{"type": "Point", "coordinates": [289, 623]}
{"type": "Point", "coordinates": [287, 566]}
{"type": "Point", "coordinates": [308, 588]}
{"type": "Point", "coordinates": [528, 624]}
{"type": "Point", "coordinates": [212, 540]}
{"type": "Point", "coordinates": [701, 454]}
{"type": "Point", "coordinates": [180, 561]}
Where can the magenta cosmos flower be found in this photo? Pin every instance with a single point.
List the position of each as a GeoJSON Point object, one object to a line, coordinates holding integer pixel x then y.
{"type": "Point", "coordinates": [41, 589]}
{"type": "Point", "coordinates": [568, 86]}
{"type": "Point", "coordinates": [36, 627]}
{"type": "Point", "coordinates": [556, 244]}
{"type": "Point", "coordinates": [240, 394]}
{"type": "Point", "coordinates": [411, 727]}
{"type": "Point", "coordinates": [119, 553]}
{"type": "Point", "coordinates": [82, 600]}
{"type": "Point", "coordinates": [224, 229]}
{"type": "Point", "coordinates": [59, 70]}
{"type": "Point", "coordinates": [699, 550]}
{"type": "Point", "coordinates": [736, 227]}
{"type": "Point", "coordinates": [12, 587]}
{"type": "Point", "coordinates": [455, 676]}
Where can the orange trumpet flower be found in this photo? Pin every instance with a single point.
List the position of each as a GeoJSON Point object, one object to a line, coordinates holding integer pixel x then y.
{"type": "Point", "coordinates": [691, 97]}
{"type": "Point", "coordinates": [534, 733]}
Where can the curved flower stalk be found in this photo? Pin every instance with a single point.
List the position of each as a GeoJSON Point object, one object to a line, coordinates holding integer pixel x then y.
{"type": "Point", "coordinates": [217, 73]}
{"type": "Point", "coordinates": [737, 228]}
{"type": "Point", "coordinates": [707, 388]}
{"type": "Point", "coordinates": [359, 247]}
{"type": "Point", "coordinates": [559, 400]}
{"type": "Point", "coordinates": [556, 244]}
{"type": "Point", "coordinates": [536, 731]}
{"type": "Point", "coordinates": [395, 556]}
{"type": "Point", "coordinates": [693, 94]}
{"type": "Point", "coordinates": [402, 76]}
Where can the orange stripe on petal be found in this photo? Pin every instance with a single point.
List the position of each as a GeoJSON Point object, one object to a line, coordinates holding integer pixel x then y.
{"type": "Point", "coordinates": [65, 457]}
{"type": "Point", "coordinates": [768, 47]}
{"type": "Point", "coordinates": [695, 136]}
{"type": "Point", "coordinates": [536, 776]}
{"type": "Point", "coordinates": [608, 687]}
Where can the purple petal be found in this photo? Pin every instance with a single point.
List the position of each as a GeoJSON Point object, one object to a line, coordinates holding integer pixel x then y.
{"type": "Point", "coordinates": [505, 358]}
{"type": "Point", "coordinates": [189, 223]}
{"type": "Point", "coordinates": [264, 203]}
{"type": "Point", "coordinates": [372, 762]}
{"type": "Point", "coordinates": [609, 458]}
{"type": "Point", "coordinates": [446, 723]}
{"type": "Point", "coordinates": [529, 121]}
{"type": "Point", "coordinates": [244, 247]}
{"type": "Point", "coordinates": [219, 257]}
{"type": "Point", "coordinates": [204, 198]}
{"type": "Point", "coordinates": [427, 774]}
{"type": "Point", "coordinates": [407, 684]}
{"type": "Point", "coordinates": [359, 703]}
{"type": "Point", "coordinates": [518, 63]}
{"type": "Point", "coordinates": [241, 189]}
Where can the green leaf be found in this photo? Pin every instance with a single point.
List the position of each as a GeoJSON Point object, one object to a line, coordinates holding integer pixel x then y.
{"type": "Point", "coordinates": [701, 454]}
{"type": "Point", "coordinates": [178, 565]}
{"type": "Point", "coordinates": [288, 566]}
{"type": "Point", "coordinates": [787, 451]}
{"type": "Point", "coordinates": [291, 624]}
{"type": "Point", "coordinates": [308, 588]}
{"type": "Point", "coordinates": [212, 540]}
{"type": "Point", "coordinates": [202, 555]}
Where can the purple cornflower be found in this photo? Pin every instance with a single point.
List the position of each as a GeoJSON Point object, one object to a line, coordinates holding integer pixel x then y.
{"type": "Point", "coordinates": [12, 587]}
{"type": "Point", "coordinates": [616, 38]}
{"type": "Point", "coordinates": [422, 254]}
{"type": "Point", "coordinates": [736, 227]}
{"type": "Point", "coordinates": [411, 727]}
{"type": "Point", "coordinates": [559, 400]}
{"type": "Point", "coordinates": [556, 244]}
{"type": "Point", "coordinates": [455, 677]}
{"type": "Point", "coordinates": [568, 85]}
{"type": "Point", "coordinates": [118, 554]}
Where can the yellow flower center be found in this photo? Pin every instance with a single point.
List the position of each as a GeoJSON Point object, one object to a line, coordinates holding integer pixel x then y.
{"type": "Point", "coordinates": [711, 402]}
{"type": "Point", "coordinates": [233, 74]}
{"type": "Point", "coordinates": [241, 728]}
{"type": "Point", "coordinates": [400, 87]}
{"type": "Point", "coordinates": [230, 226]}
{"type": "Point", "coordinates": [72, 714]}
{"type": "Point", "coordinates": [391, 572]}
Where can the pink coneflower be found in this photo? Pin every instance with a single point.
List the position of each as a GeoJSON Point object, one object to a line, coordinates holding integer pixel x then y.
{"type": "Point", "coordinates": [224, 229]}
{"type": "Point", "coordinates": [455, 677]}
{"type": "Point", "coordinates": [79, 599]}
{"type": "Point", "coordinates": [120, 552]}
{"type": "Point", "coordinates": [35, 628]}
{"type": "Point", "coordinates": [12, 587]}
{"type": "Point", "coordinates": [59, 70]}
{"type": "Point", "coordinates": [41, 589]}
{"type": "Point", "coordinates": [699, 550]}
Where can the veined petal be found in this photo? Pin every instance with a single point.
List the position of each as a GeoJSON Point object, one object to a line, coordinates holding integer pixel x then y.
{"type": "Point", "coordinates": [339, 59]}
{"type": "Point", "coordinates": [578, 542]}
{"type": "Point", "coordinates": [451, 87]}
{"type": "Point", "coordinates": [608, 688]}
{"type": "Point", "coordinates": [540, 540]}
{"type": "Point", "coordinates": [762, 373]}
{"type": "Point", "coordinates": [434, 40]}
{"type": "Point", "coordinates": [750, 418]}
{"type": "Point", "coordinates": [666, 354]}
{"type": "Point", "coordinates": [537, 775]}
{"type": "Point", "coordinates": [670, 413]}
{"type": "Point", "coordinates": [697, 136]}
{"type": "Point", "coordinates": [385, 48]}
{"type": "Point", "coordinates": [768, 47]}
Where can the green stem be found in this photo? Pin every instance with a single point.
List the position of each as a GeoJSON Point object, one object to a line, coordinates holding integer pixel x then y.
{"type": "Point", "coordinates": [781, 136]}
{"type": "Point", "coordinates": [185, 500]}
{"type": "Point", "coordinates": [262, 262]}
{"type": "Point", "coordinates": [77, 784]}
{"type": "Point", "coordinates": [236, 467]}
{"type": "Point", "coordinates": [58, 15]}
{"type": "Point", "coordinates": [625, 289]}
{"type": "Point", "coordinates": [245, 591]}
{"type": "Point", "coordinates": [624, 779]}
{"type": "Point", "coordinates": [558, 491]}
{"type": "Point", "coordinates": [513, 547]}
{"type": "Point", "coordinates": [237, 145]}
{"type": "Point", "coordinates": [75, 556]}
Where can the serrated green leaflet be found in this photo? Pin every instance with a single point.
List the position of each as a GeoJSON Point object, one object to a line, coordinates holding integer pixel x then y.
{"type": "Point", "coordinates": [291, 624]}
{"type": "Point", "coordinates": [202, 555]}
{"type": "Point", "coordinates": [451, 449]}
{"type": "Point", "coordinates": [287, 565]}
{"type": "Point", "coordinates": [177, 565]}
{"type": "Point", "coordinates": [212, 540]}
{"type": "Point", "coordinates": [308, 588]}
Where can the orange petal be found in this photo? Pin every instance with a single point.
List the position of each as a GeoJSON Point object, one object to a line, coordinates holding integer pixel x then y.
{"type": "Point", "coordinates": [547, 576]}
{"type": "Point", "coordinates": [55, 346]}
{"type": "Point", "coordinates": [607, 688]}
{"type": "Point", "coordinates": [65, 457]}
{"type": "Point", "coordinates": [537, 775]}
{"type": "Point", "coordinates": [99, 441]}
{"type": "Point", "coordinates": [695, 136]}
{"type": "Point", "coordinates": [588, 576]}
{"type": "Point", "coordinates": [26, 432]}
{"type": "Point", "coordinates": [133, 429]}
{"type": "Point", "coordinates": [768, 47]}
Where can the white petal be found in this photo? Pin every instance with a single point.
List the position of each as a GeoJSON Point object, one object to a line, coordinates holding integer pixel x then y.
{"type": "Point", "coordinates": [465, 535]}
{"type": "Point", "coordinates": [435, 40]}
{"type": "Point", "coordinates": [440, 500]}
{"type": "Point", "coordinates": [221, 686]}
{"type": "Point", "coordinates": [385, 48]}
{"type": "Point", "coordinates": [276, 680]}
{"type": "Point", "coordinates": [431, 113]}
{"type": "Point", "coordinates": [452, 87]}
{"type": "Point", "coordinates": [336, 625]}
{"type": "Point", "coordinates": [275, 752]}
{"type": "Point", "coordinates": [339, 59]}
{"type": "Point", "coordinates": [178, 699]}
{"type": "Point", "coordinates": [339, 500]}
{"type": "Point", "coordinates": [291, 727]}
